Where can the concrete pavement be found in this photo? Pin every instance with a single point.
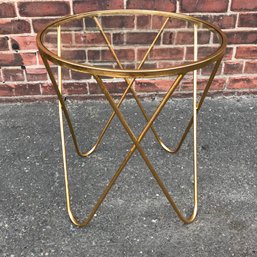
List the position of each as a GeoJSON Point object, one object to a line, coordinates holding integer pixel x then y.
{"type": "Point", "coordinates": [135, 219]}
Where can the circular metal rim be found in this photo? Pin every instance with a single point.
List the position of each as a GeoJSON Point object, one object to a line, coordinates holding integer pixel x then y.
{"type": "Point", "coordinates": [126, 73]}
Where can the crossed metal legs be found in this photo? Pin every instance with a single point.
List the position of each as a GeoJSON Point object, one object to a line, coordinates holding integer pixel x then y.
{"type": "Point", "coordinates": [136, 146]}
{"type": "Point", "coordinates": [136, 140]}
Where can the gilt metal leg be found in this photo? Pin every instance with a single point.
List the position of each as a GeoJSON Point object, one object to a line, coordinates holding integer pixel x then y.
{"type": "Point", "coordinates": [136, 140]}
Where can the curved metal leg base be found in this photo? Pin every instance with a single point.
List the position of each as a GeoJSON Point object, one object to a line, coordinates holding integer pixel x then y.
{"type": "Point", "coordinates": [136, 146]}
{"type": "Point", "coordinates": [136, 140]}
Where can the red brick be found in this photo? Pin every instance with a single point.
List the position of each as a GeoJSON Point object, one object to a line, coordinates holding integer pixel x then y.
{"type": "Point", "coordinates": [112, 87]}
{"type": "Point", "coordinates": [241, 37]}
{"type": "Point", "coordinates": [75, 88]}
{"type": "Point", "coordinates": [13, 75]}
{"type": "Point", "coordinates": [165, 5]}
{"type": "Point", "coordinates": [74, 55]}
{"type": "Point", "coordinates": [202, 52]}
{"type": "Point", "coordinates": [246, 52]}
{"type": "Point", "coordinates": [67, 39]}
{"type": "Point", "coordinates": [147, 65]}
{"type": "Point", "coordinates": [65, 73]}
{"type": "Point", "coordinates": [221, 21]}
{"type": "Point", "coordinates": [125, 66]}
{"type": "Point", "coordinates": [242, 83]}
{"type": "Point", "coordinates": [94, 55]}
{"type": "Point", "coordinates": [144, 22]}
{"type": "Point", "coordinates": [123, 55]}
{"type": "Point", "coordinates": [169, 64]}
{"type": "Point", "coordinates": [168, 38]}
{"type": "Point", "coordinates": [205, 51]}
{"type": "Point", "coordinates": [204, 37]}
{"type": "Point", "coordinates": [118, 21]}
{"type": "Point", "coordinates": [15, 46]}
{"type": "Point", "coordinates": [29, 59]}
{"type": "Point", "coordinates": [50, 40]}
{"type": "Point", "coordinates": [189, 53]}
{"type": "Point", "coordinates": [36, 74]}
{"type": "Point", "coordinates": [73, 25]}
{"type": "Point", "coordinates": [92, 5]}
{"type": "Point", "coordinates": [7, 10]}
{"type": "Point", "coordinates": [248, 20]}
{"type": "Point", "coordinates": [240, 5]}
{"type": "Point", "coordinates": [118, 38]}
{"type": "Point", "coordinates": [207, 70]}
{"type": "Point", "coordinates": [70, 26]}
{"type": "Point", "coordinates": [10, 59]}
{"type": "Point", "coordinates": [224, 21]}
{"type": "Point", "coordinates": [3, 43]}
{"type": "Point", "coordinates": [6, 89]}
{"type": "Point", "coordinates": [171, 54]}
{"type": "Point", "coordinates": [140, 53]}
{"type": "Point", "coordinates": [148, 86]}
{"type": "Point", "coordinates": [40, 61]}
{"type": "Point", "coordinates": [47, 89]}
{"type": "Point", "coordinates": [228, 53]}
{"type": "Point", "coordinates": [79, 75]}
{"type": "Point", "coordinates": [204, 5]}
{"type": "Point", "coordinates": [250, 67]}
{"type": "Point", "coordinates": [187, 37]}
{"type": "Point", "coordinates": [233, 68]}
{"type": "Point", "coordinates": [141, 38]}
{"type": "Point", "coordinates": [14, 27]}
{"type": "Point", "coordinates": [39, 24]}
{"type": "Point", "coordinates": [237, 36]}
{"type": "Point", "coordinates": [24, 42]}
{"type": "Point", "coordinates": [217, 84]}
{"type": "Point", "coordinates": [41, 9]}
{"type": "Point", "coordinates": [90, 24]}
{"type": "Point", "coordinates": [27, 89]}
{"type": "Point", "coordinates": [158, 21]}
{"type": "Point", "coordinates": [91, 39]}
{"type": "Point", "coordinates": [175, 53]}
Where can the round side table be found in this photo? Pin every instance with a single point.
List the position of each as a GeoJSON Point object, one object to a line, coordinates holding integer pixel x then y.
{"type": "Point", "coordinates": [129, 45]}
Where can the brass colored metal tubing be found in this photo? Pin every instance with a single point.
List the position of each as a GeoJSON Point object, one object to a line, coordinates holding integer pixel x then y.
{"type": "Point", "coordinates": [112, 181]}
{"type": "Point", "coordinates": [195, 123]}
{"type": "Point", "coordinates": [190, 123]}
{"type": "Point", "coordinates": [65, 164]}
{"type": "Point", "coordinates": [62, 106]}
{"type": "Point", "coordinates": [114, 178]}
{"type": "Point", "coordinates": [129, 73]}
{"type": "Point", "coordinates": [214, 71]}
{"type": "Point", "coordinates": [146, 54]}
{"type": "Point", "coordinates": [64, 109]}
{"type": "Point", "coordinates": [128, 156]}
{"type": "Point", "coordinates": [87, 153]}
{"type": "Point", "coordinates": [170, 150]}
{"type": "Point", "coordinates": [139, 148]}
{"type": "Point", "coordinates": [73, 219]}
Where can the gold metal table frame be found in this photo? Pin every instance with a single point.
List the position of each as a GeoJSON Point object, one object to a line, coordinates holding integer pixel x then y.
{"type": "Point", "coordinates": [130, 75]}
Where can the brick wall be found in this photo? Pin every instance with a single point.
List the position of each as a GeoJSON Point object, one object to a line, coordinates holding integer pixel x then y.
{"type": "Point", "coordinates": [23, 76]}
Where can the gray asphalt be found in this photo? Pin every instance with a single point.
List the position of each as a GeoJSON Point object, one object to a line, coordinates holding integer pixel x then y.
{"type": "Point", "coordinates": [135, 219]}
